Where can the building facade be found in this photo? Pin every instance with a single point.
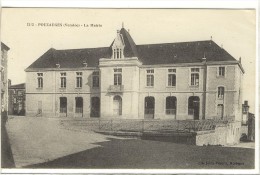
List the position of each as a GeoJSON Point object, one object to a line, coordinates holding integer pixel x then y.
{"type": "Point", "coordinates": [4, 79]}
{"type": "Point", "coordinates": [188, 80]}
{"type": "Point", "coordinates": [16, 102]}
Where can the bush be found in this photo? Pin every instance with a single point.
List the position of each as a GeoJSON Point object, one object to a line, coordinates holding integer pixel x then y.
{"type": "Point", "coordinates": [243, 137]}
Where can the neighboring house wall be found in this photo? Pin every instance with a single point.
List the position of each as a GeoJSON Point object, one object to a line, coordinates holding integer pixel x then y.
{"type": "Point", "coordinates": [16, 103]}
{"type": "Point", "coordinates": [4, 80]}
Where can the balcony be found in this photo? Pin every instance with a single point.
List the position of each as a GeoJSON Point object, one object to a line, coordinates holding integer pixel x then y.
{"type": "Point", "coordinates": [116, 88]}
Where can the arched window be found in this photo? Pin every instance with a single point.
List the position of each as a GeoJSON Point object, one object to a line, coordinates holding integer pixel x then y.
{"type": "Point", "coordinates": [221, 91]}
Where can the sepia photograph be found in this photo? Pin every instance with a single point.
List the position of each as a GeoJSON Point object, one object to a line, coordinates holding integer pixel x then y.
{"type": "Point", "coordinates": [86, 88]}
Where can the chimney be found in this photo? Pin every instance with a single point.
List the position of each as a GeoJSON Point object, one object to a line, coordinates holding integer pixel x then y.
{"type": "Point", "coordinates": [240, 59]}
{"type": "Point", "coordinates": [85, 63]}
{"type": "Point", "coordinates": [204, 59]}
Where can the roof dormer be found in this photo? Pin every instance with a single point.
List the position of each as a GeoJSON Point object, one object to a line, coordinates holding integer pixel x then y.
{"type": "Point", "coordinates": [118, 46]}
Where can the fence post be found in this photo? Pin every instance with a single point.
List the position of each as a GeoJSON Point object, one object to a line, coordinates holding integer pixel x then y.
{"type": "Point", "coordinates": [111, 124]}
{"type": "Point", "coordinates": [99, 127]}
{"type": "Point", "coordinates": [142, 125]}
{"type": "Point", "coordinates": [194, 127]}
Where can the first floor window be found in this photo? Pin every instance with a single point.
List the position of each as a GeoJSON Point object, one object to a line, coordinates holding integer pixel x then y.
{"type": "Point", "coordinates": [171, 80]}
{"type": "Point", "coordinates": [95, 79]}
{"type": "Point", "coordinates": [40, 80]}
{"type": "Point", "coordinates": [194, 79]}
{"type": "Point", "coordinates": [221, 71]}
{"type": "Point", "coordinates": [150, 80]}
{"type": "Point", "coordinates": [149, 77]}
{"type": "Point", "coordinates": [117, 79]}
{"type": "Point", "coordinates": [79, 82]}
{"type": "Point", "coordinates": [63, 80]}
{"type": "Point", "coordinates": [79, 79]}
{"type": "Point", "coordinates": [118, 76]}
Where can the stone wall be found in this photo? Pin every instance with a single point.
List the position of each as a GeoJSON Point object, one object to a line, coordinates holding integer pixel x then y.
{"type": "Point", "coordinates": [225, 134]}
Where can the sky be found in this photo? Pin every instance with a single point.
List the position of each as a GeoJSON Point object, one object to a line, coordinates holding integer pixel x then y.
{"type": "Point", "coordinates": [234, 30]}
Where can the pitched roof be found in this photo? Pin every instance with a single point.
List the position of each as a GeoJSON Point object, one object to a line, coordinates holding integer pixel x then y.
{"type": "Point", "coordinates": [148, 54]}
{"type": "Point", "coordinates": [17, 86]}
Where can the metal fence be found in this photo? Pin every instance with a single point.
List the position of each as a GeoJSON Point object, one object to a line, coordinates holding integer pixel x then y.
{"type": "Point", "coordinates": [137, 125]}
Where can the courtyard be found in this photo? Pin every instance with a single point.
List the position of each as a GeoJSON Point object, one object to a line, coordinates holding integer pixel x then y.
{"type": "Point", "coordinates": [42, 143]}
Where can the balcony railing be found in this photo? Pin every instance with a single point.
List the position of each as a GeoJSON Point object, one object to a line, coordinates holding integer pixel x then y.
{"type": "Point", "coordinates": [116, 88]}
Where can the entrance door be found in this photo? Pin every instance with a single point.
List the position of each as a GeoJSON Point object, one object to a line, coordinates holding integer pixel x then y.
{"type": "Point", "coordinates": [95, 107]}
{"type": "Point", "coordinates": [194, 107]}
{"type": "Point", "coordinates": [117, 105]}
{"type": "Point", "coordinates": [220, 111]}
{"type": "Point", "coordinates": [63, 107]}
{"type": "Point", "coordinates": [149, 108]}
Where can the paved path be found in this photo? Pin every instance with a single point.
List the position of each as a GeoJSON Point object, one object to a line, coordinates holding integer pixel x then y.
{"type": "Point", "coordinates": [37, 140]}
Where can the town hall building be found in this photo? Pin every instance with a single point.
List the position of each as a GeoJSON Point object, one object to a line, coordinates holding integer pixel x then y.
{"type": "Point", "coordinates": [186, 80]}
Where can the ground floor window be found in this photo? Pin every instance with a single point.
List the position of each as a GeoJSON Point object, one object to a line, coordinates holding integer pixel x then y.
{"type": "Point", "coordinates": [79, 105]}
{"type": "Point", "coordinates": [95, 107]}
{"type": "Point", "coordinates": [171, 105]}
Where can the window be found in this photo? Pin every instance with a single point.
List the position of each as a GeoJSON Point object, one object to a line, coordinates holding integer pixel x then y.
{"type": "Point", "coordinates": [117, 53]}
{"type": "Point", "coordinates": [195, 76]}
{"type": "Point", "coordinates": [95, 79]}
{"type": "Point", "coordinates": [40, 80]}
{"type": "Point", "coordinates": [150, 77]}
{"type": "Point", "coordinates": [171, 77]}
{"type": "Point", "coordinates": [221, 92]}
{"type": "Point", "coordinates": [63, 80]}
{"type": "Point", "coordinates": [221, 71]}
{"type": "Point", "coordinates": [118, 76]}
{"type": "Point", "coordinates": [79, 79]}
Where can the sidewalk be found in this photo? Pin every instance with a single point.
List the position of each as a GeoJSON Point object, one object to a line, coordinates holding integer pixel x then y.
{"type": "Point", "coordinates": [244, 145]}
{"type": "Point", "coordinates": [37, 140]}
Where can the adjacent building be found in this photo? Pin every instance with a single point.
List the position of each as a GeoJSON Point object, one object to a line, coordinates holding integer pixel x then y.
{"type": "Point", "coordinates": [4, 80]}
{"type": "Point", "coordinates": [16, 100]}
{"type": "Point", "coordinates": [186, 80]}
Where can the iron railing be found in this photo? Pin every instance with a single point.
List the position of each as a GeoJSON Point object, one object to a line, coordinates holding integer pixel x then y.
{"type": "Point", "coordinates": [140, 125]}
